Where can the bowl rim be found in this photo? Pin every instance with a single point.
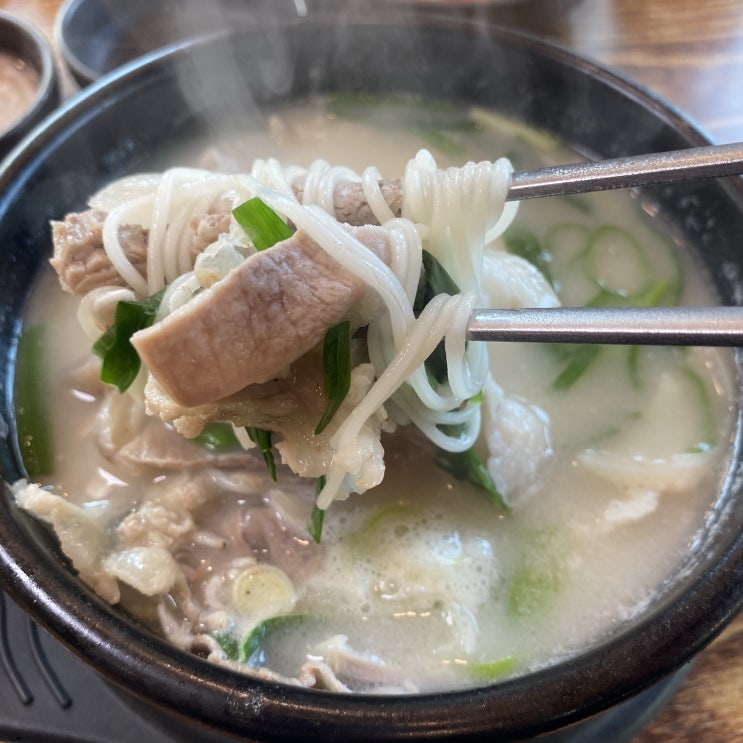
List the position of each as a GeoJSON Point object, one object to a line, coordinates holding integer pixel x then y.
{"type": "Point", "coordinates": [103, 638]}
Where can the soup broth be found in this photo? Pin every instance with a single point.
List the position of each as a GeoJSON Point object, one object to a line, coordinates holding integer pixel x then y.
{"type": "Point", "coordinates": [426, 581]}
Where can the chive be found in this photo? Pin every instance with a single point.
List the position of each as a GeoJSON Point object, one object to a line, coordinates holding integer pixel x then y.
{"type": "Point", "coordinates": [251, 642]}
{"type": "Point", "coordinates": [261, 223]}
{"type": "Point", "coordinates": [466, 466]}
{"type": "Point", "coordinates": [34, 430]}
{"type": "Point", "coordinates": [633, 366]}
{"type": "Point", "coordinates": [578, 362]}
{"type": "Point", "coordinates": [616, 263]}
{"type": "Point", "coordinates": [217, 437]}
{"type": "Point", "coordinates": [480, 472]}
{"type": "Point", "coordinates": [336, 370]}
{"type": "Point", "coordinates": [229, 645]}
{"type": "Point", "coordinates": [437, 281]}
{"type": "Point", "coordinates": [402, 111]}
{"type": "Point", "coordinates": [538, 577]}
{"type": "Point", "coordinates": [434, 280]}
{"type": "Point", "coordinates": [436, 139]}
{"type": "Point", "coordinates": [317, 516]}
{"type": "Point", "coordinates": [262, 439]}
{"type": "Point", "coordinates": [709, 428]}
{"type": "Point", "coordinates": [121, 363]}
{"type": "Point", "coordinates": [494, 670]}
{"type": "Point", "coordinates": [526, 245]}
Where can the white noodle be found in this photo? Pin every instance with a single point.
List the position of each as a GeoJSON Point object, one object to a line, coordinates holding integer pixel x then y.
{"type": "Point", "coordinates": [128, 213]}
{"type": "Point", "coordinates": [452, 213]}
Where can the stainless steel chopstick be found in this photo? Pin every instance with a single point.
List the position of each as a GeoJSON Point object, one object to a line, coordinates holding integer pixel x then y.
{"type": "Point", "coordinates": [713, 161]}
{"type": "Point", "coordinates": [655, 326]}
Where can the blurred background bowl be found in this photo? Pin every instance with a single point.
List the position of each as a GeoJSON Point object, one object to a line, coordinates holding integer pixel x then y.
{"type": "Point", "coordinates": [29, 86]}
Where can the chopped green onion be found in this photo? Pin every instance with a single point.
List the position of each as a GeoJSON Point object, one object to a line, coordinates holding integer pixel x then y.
{"type": "Point", "coordinates": [121, 363]}
{"type": "Point", "coordinates": [434, 280]}
{"type": "Point", "coordinates": [467, 466]}
{"type": "Point", "coordinates": [261, 223]}
{"type": "Point", "coordinates": [490, 671]}
{"type": "Point", "coordinates": [617, 263]}
{"type": "Point", "coordinates": [401, 111]}
{"type": "Point", "coordinates": [317, 516]}
{"type": "Point", "coordinates": [538, 577]}
{"type": "Point", "coordinates": [578, 362]}
{"type": "Point", "coordinates": [709, 427]}
{"type": "Point", "coordinates": [336, 368]}
{"type": "Point", "coordinates": [436, 139]}
{"type": "Point", "coordinates": [526, 245]}
{"type": "Point", "coordinates": [217, 437]}
{"type": "Point", "coordinates": [34, 431]}
{"type": "Point", "coordinates": [262, 439]}
{"type": "Point", "coordinates": [251, 642]}
{"type": "Point", "coordinates": [228, 643]}
{"type": "Point", "coordinates": [633, 366]}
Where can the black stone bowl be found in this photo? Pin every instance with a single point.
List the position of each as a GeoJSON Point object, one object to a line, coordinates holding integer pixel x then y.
{"type": "Point", "coordinates": [95, 37]}
{"type": "Point", "coordinates": [120, 124]}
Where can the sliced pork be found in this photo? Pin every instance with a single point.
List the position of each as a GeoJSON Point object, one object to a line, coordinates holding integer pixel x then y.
{"type": "Point", "coordinates": [246, 329]}
{"type": "Point", "coordinates": [82, 263]}
{"type": "Point", "coordinates": [79, 256]}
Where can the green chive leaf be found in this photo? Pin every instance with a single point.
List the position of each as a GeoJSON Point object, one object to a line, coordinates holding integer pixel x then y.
{"type": "Point", "coordinates": [121, 363]}
{"type": "Point", "coordinates": [34, 431]}
{"type": "Point", "coordinates": [467, 466]}
{"type": "Point", "coordinates": [336, 369]}
{"type": "Point", "coordinates": [317, 516]}
{"type": "Point", "coordinates": [262, 439]}
{"type": "Point", "coordinates": [261, 223]}
{"type": "Point", "coordinates": [217, 437]}
{"type": "Point", "coordinates": [434, 280]}
{"type": "Point", "coordinates": [251, 642]}
{"type": "Point", "coordinates": [526, 245]}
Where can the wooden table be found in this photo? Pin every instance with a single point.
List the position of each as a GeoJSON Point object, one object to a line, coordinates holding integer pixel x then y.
{"type": "Point", "coordinates": [691, 53]}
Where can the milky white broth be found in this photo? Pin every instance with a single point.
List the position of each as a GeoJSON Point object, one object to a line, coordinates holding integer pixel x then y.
{"type": "Point", "coordinates": [547, 579]}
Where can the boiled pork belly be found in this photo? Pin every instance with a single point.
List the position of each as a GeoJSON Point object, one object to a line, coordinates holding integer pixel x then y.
{"type": "Point", "coordinates": [247, 328]}
{"type": "Point", "coordinates": [82, 263]}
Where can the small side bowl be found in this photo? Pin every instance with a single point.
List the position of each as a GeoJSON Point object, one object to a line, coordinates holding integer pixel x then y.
{"type": "Point", "coordinates": [24, 42]}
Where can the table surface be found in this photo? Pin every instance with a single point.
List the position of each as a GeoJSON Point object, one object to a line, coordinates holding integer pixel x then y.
{"type": "Point", "coordinates": [691, 53]}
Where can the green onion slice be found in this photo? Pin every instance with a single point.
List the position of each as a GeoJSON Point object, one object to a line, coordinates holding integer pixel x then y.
{"type": "Point", "coordinates": [261, 223]}
{"type": "Point", "coordinates": [34, 430]}
{"type": "Point", "coordinates": [617, 263]}
{"type": "Point", "coordinates": [336, 368]}
{"type": "Point", "coordinates": [121, 363]}
{"type": "Point", "coordinates": [434, 280]}
{"type": "Point", "coordinates": [317, 516]}
{"type": "Point", "coordinates": [217, 437]}
{"type": "Point", "coordinates": [467, 466]}
{"type": "Point", "coordinates": [262, 439]}
{"type": "Point", "coordinates": [526, 245]}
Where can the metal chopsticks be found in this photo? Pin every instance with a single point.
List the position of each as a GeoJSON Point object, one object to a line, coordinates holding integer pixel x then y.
{"type": "Point", "coordinates": [713, 161]}
{"type": "Point", "coordinates": [676, 326]}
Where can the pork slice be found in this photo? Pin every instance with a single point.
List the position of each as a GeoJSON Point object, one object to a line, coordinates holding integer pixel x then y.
{"type": "Point", "coordinates": [79, 257]}
{"type": "Point", "coordinates": [350, 203]}
{"type": "Point", "coordinates": [82, 263]}
{"type": "Point", "coordinates": [248, 327]}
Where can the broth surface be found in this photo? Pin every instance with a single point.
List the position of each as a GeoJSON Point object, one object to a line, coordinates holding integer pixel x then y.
{"type": "Point", "coordinates": [423, 582]}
